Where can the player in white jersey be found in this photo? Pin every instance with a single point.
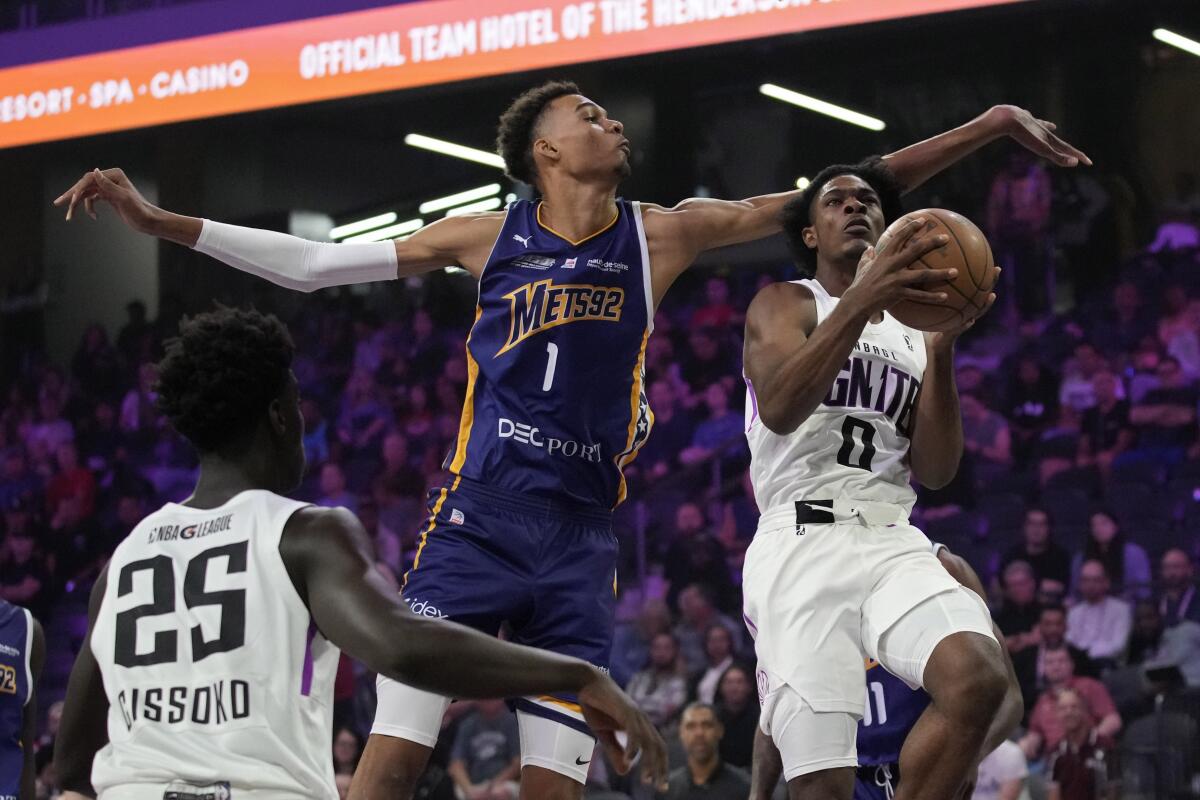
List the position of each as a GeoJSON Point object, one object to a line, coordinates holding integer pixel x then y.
{"type": "Point", "coordinates": [843, 401]}
{"type": "Point", "coordinates": [215, 629]}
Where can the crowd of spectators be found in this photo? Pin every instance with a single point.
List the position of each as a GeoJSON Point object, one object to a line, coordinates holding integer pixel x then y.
{"type": "Point", "coordinates": [1078, 500]}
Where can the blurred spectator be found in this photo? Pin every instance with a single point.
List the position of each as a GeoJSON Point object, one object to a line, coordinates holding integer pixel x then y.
{"type": "Point", "coordinates": [1050, 563]}
{"type": "Point", "coordinates": [706, 775]}
{"type": "Point", "coordinates": [718, 654]}
{"type": "Point", "coordinates": [707, 361]}
{"type": "Point", "coordinates": [1125, 563]}
{"type": "Point", "coordinates": [986, 438]}
{"type": "Point", "coordinates": [1105, 431]}
{"type": "Point", "coordinates": [396, 470]}
{"type": "Point", "coordinates": [1030, 663]}
{"type": "Point", "coordinates": [1144, 366]}
{"type": "Point", "coordinates": [1165, 418]}
{"type": "Point", "coordinates": [1099, 624]}
{"type": "Point", "coordinates": [672, 432]}
{"type": "Point", "coordinates": [698, 612]}
{"type": "Point", "coordinates": [1083, 766]}
{"type": "Point", "coordinates": [333, 488]}
{"type": "Point", "coordinates": [135, 339]}
{"type": "Point", "coordinates": [96, 365]}
{"type": "Point", "coordinates": [660, 689]}
{"type": "Point", "coordinates": [631, 642]}
{"type": "Point", "coordinates": [316, 432]}
{"type": "Point", "coordinates": [16, 481]}
{"type": "Point", "coordinates": [24, 576]}
{"type": "Point", "coordinates": [1045, 727]}
{"type": "Point", "coordinates": [363, 419]}
{"type": "Point", "coordinates": [717, 311]}
{"type": "Point", "coordinates": [51, 429]}
{"type": "Point", "coordinates": [1032, 405]}
{"type": "Point", "coordinates": [1174, 318]}
{"type": "Point", "coordinates": [1020, 610]}
{"type": "Point", "coordinates": [1076, 390]}
{"type": "Point", "coordinates": [1120, 328]}
{"type": "Point", "coordinates": [1018, 215]}
{"type": "Point", "coordinates": [486, 760]}
{"type": "Point", "coordinates": [347, 749]}
{"type": "Point", "coordinates": [139, 414]}
{"type": "Point", "coordinates": [1154, 646]}
{"type": "Point", "coordinates": [737, 707]}
{"type": "Point", "coordinates": [1002, 774]}
{"type": "Point", "coordinates": [50, 731]}
{"type": "Point", "coordinates": [696, 556]}
{"type": "Point", "coordinates": [1178, 231]}
{"type": "Point", "coordinates": [721, 431]}
{"type": "Point", "coordinates": [1177, 601]}
{"type": "Point", "coordinates": [72, 483]}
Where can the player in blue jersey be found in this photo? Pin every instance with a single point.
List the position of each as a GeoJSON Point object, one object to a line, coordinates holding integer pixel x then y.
{"type": "Point", "coordinates": [555, 406]}
{"type": "Point", "coordinates": [22, 653]}
{"type": "Point", "coordinates": [891, 710]}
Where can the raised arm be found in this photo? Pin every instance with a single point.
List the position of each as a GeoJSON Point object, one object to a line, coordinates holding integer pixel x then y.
{"type": "Point", "coordinates": [791, 361]}
{"type": "Point", "coordinates": [290, 261]}
{"type": "Point", "coordinates": [327, 554]}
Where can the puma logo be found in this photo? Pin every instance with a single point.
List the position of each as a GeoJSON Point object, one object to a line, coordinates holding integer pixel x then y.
{"type": "Point", "coordinates": [523, 239]}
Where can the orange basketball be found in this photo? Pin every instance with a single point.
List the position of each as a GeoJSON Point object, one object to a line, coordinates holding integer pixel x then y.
{"type": "Point", "coordinates": [968, 252]}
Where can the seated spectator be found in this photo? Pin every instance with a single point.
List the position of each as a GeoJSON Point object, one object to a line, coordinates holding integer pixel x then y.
{"type": "Point", "coordinates": [1050, 563]}
{"type": "Point", "coordinates": [737, 707]}
{"type": "Point", "coordinates": [706, 361]}
{"type": "Point", "coordinates": [1105, 431]}
{"type": "Point", "coordinates": [485, 763]}
{"type": "Point", "coordinates": [333, 488]}
{"type": "Point", "coordinates": [660, 689]}
{"type": "Point", "coordinates": [1083, 766]}
{"type": "Point", "coordinates": [985, 437]}
{"type": "Point", "coordinates": [673, 428]}
{"type": "Point", "coordinates": [1076, 390]}
{"type": "Point", "coordinates": [720, 434]}
{"type": "Point", "coordinates": [96, 366]}
{"type": "Point", "coordinates": [139, 411]}
{"type": "Point", "coordinates": [24, 576]}
{"type": "Point", "coordinates": [363, 418]}
{"type": "Point", "coordinates": [1050, 634]}
{"type": "Point", "coordinates": [1154, 646]}
{"type": "Point", "coordinates": [1046, 731]}
{"type": "Point", "coordinates": [1031, 405]}
{"type": "Point", "coordinates": [347, 749]}
{"type": "Point", "coordinates": [717, 311]}
{"type": "Point", "coordinates": [1177, 600]}
{"type": "Point", "coordinates": [1125, 563]}
{"type": "Point", "coordinates": [1125, 322]}
{"type": "Point", "coordinates": [71, 482]}
{"type": "Point", "coordinates": [1165, 418]}
{"type": "Point", "coordinates": [631, 642]}
{"type": "Point", "coordinates": [1002, 774]}
{"type": "Point", "coordinates": [396, 469]}
{"type": "Point", "coordinates": [1020, 610]}
{"type": "Point", "coordinates": [16, 480]}
{"type": "Point", "coordinates": [696, 556]}
{"type": "Point", "coordinates": [698, 612]}
{"type": "Point", "coordinates": [718, 655]}
{"type": "Point", "coordinates": [705, 775]}
{"type": "Point", "coordinates": [1100, 623]}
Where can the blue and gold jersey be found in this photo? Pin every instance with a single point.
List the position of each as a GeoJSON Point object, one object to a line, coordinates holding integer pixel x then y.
{"type": "Point", "coordinates": [891, 711]}
{"type": "Point", "coordinates": [556, 403]}
{"type": "Point", "coordinates": [16, 636]}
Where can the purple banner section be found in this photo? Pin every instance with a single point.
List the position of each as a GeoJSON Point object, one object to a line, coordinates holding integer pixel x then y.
{"type": "Point", "coordinates": [63, 40]}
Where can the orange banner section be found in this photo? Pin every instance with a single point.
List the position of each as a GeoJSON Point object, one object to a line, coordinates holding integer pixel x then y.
{"type": "Point", "coordinates": [379, 50]}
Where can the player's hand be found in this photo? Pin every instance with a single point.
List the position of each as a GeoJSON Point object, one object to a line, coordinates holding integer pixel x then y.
{"type": "Point", "coordinates": [607, 710]}
{"type": "Point", "coordinates": [113, 187]}
{"type": "Point", "coordinates": [883, 277]}
{"type": "Point", "coordinates": [1035, 135]}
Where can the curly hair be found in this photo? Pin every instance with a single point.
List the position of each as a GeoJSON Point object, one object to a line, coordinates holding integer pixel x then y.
{"type": "Point", "coordinates": [797, 212]}
{"type": "Point", "coordinates": [221, 373]}
{"type": "Point", "coordinates": [514, 137]}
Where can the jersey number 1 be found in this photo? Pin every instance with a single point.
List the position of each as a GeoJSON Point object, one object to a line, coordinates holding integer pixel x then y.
{"type": "Point", "coordinates": [551, 363]}
{"type": "Point", "coordinates": [866, 440]}
{"type": "Point", "coordinates": [232, 602]}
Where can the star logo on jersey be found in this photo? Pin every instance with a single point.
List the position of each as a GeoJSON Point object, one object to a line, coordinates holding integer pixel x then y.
{"type": "Point", "coordinates": [524, 240]}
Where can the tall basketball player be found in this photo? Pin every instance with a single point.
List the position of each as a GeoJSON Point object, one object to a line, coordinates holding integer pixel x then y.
{"type": "Point", "coordinates": [843, 401]}
{"type": "Point", "coordinates": [22, 653]}
{"type": "Point", "coordinates": [216, 627]}
{"type": "Point", "coordinates": [891, 711]}
{"type": "Point", "coordinates": [555, 406]}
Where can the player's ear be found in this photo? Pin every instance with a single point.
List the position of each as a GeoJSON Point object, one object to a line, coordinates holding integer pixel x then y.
{"type": "Point", "coordinates": [276, 416]}
{"type": "Point", "coordinates": [544, 148]}
{"type": "Point", "coordinates": [809, 235]}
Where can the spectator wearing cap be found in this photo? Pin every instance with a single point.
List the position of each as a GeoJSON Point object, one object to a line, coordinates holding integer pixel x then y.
{"type": "Point", "coordinates": [1046, 730]}
{"type": "Point", "coordinates": [1100, 623]}
{"type": "Point", "coordinates": [1177, 600]}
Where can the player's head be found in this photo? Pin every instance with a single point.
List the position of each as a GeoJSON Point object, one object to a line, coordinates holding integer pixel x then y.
{"type": "Point", "coordinates": [554, 127]}
{"type": "Point", "coordinates": [700, 730]}
{"type": "Point", "coordinates": [841, 213]}
{"type": "Point", "coordinates": [226, 385]}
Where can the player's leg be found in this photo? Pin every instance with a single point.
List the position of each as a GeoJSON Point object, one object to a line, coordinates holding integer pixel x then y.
{"type": "Point", "coordinates": [817, 748]}
{"type": "Point", "coordinates": [389, 769]}
{"type": "Point", "coordinates": [946, 645]}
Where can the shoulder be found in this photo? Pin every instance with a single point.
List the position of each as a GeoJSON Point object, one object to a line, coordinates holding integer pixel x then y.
{"type": "Point", "coordinates": [781, 298]}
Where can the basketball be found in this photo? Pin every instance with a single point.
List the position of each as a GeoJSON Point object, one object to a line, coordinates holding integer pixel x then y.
{"type": "Point", "coordinates": [968, 252]}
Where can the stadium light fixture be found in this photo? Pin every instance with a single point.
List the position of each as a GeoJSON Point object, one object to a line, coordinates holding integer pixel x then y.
{"type": "Point", "coordinates": [802, 182]}
{"type": "Point", "coordinates": [390, 232]}
{"type": "Point", "coordinates": [1175, 40]}
{"type": "Point", "coordinates": [451, 149]}
{"type": "Point", "coordinates": [359, 226]}
{"type": "Point", "coordinates": [451, 200]}
{"type": "Point", "coordinates": [821, 107]}
{"type": "Point", "coordinates": [490, 204]}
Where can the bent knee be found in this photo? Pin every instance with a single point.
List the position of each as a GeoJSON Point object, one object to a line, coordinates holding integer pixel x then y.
{"type": "Point", "coordinates": [970, 674]}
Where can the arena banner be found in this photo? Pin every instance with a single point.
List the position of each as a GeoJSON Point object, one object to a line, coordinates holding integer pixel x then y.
{"type": "Point", "coordinates": [385, 49]}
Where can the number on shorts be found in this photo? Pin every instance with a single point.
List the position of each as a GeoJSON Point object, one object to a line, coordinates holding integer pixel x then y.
{"type": "Point", "coordinates": [866, 440]}
{"type": "Point", "coordinates": [551, 363]}
{"type": "Point", "coordinates": [878, 714]}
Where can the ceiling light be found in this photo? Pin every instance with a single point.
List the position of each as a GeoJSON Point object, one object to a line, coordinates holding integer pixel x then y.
{"type": "Point", "coordinates": [483, 205]}
{"type": "Point", "coordinates": [452, 149]}
{"type": "Point", "coordinates": [351, 228]}
{"type": "Point", "coordinates": [390, 232]}
{"type": "Point", "coordinates": [1175, 40]}
{"type": "Point", "coordinates": [458, 199]}
{"type": "Point", "coordinates": [821, 107]}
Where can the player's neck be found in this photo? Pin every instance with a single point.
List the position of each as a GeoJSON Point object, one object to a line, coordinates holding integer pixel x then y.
{"type": "Point", "coordinates": [834, 276]}
{"type": "Point", "coordinates": [223, 479]}
{"type": "Point", "coordinates": [577, 210]}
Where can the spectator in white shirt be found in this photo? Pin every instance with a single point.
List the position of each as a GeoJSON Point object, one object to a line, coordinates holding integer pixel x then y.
{"type": "Point", "coordinates": [1100, 623]}
{"type": "Point", "coordinates": [1002, 774]}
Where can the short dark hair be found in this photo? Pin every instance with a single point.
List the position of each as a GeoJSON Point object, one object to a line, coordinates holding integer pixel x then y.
{"type": "Point", "coordinates": [514, 137]}
{"type": "Point", "coordinates": [221, 373]}
{"type": "Point", "coordinates": [797, 212]}
{"type": "Point", "coordinates": [1057, 608]}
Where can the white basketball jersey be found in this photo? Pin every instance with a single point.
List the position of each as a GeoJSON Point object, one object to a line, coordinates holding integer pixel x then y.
{"type": "Point", "coordinates": [855, 444]}
{"type": "Point", "coordinates": [215, 673]}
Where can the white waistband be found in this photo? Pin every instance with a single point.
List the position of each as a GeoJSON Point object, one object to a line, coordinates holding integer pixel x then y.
{"type": "Point", "coordinates": [845, 510]}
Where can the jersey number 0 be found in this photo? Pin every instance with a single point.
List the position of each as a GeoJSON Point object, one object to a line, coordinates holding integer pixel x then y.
{"type": "Point", "coordinates": [232, 602]}
{"type": "Point", "coordinates": [866, 440]}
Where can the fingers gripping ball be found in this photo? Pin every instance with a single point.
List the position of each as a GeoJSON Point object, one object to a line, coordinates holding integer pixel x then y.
{"type": "Point", "coordinates": [968, 252]}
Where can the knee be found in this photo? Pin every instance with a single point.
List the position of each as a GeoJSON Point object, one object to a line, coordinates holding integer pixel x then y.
{"type": "Point", "coordinates": [976, 683]}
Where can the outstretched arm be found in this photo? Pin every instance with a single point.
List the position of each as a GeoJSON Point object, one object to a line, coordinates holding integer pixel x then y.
{"type": "Point", "coordinates": [290, 261]}
{"type": "Point", "coordinates": [328, 557]}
